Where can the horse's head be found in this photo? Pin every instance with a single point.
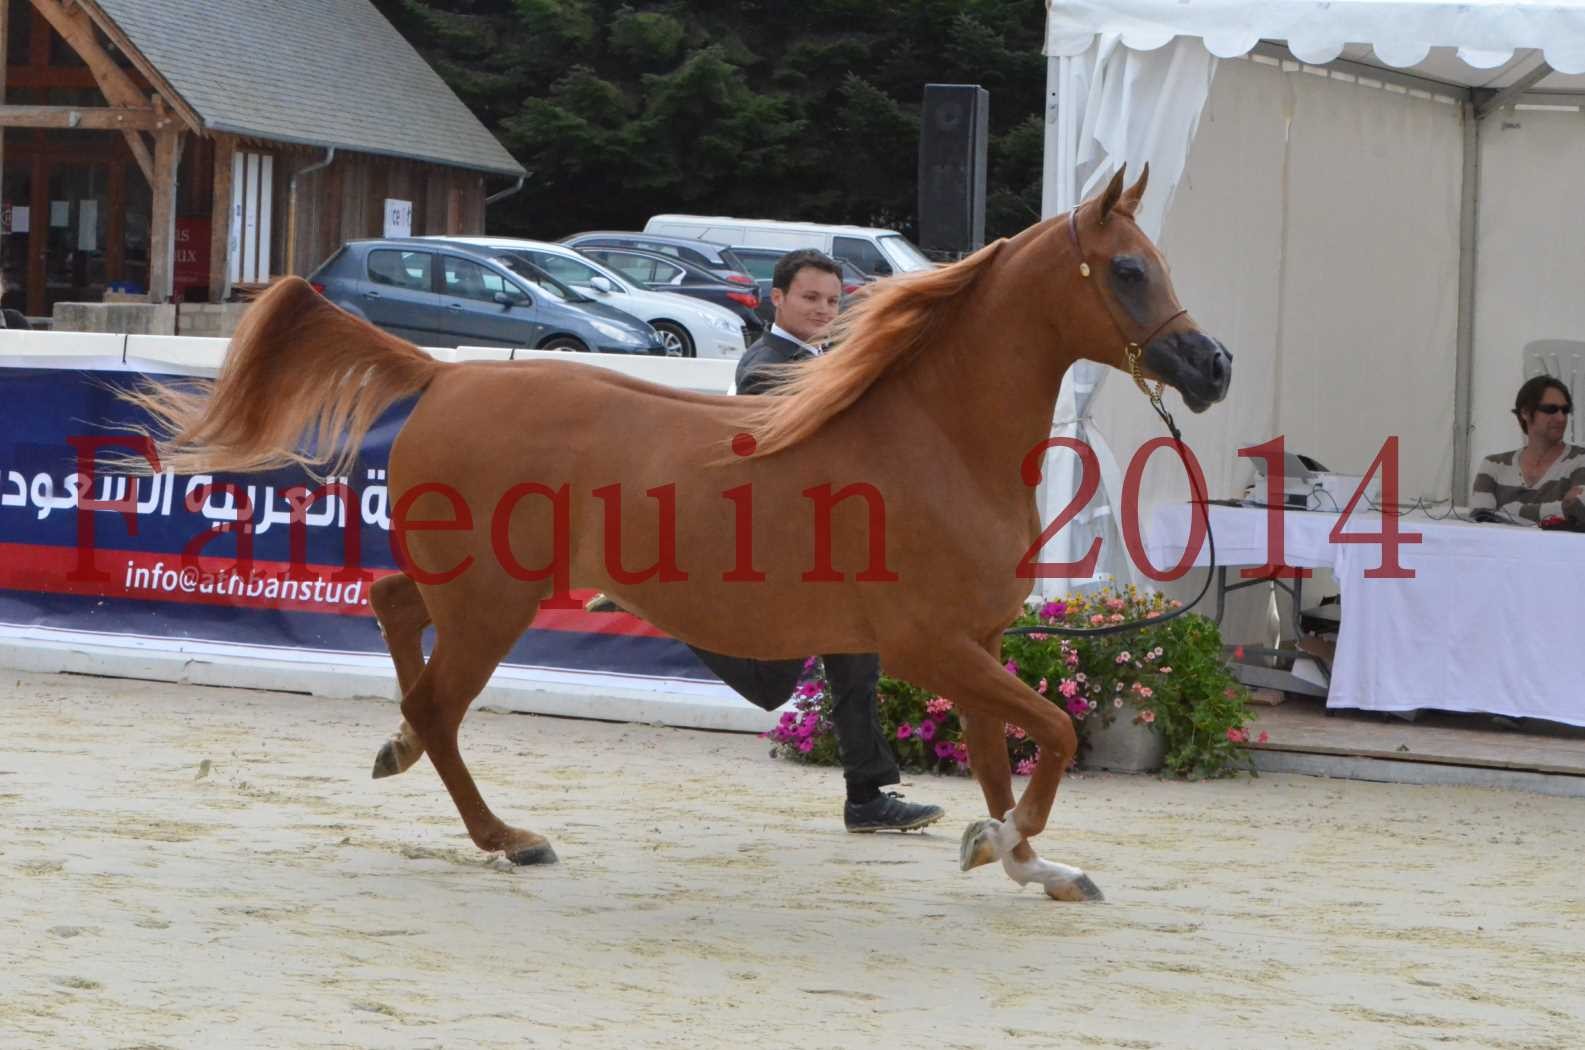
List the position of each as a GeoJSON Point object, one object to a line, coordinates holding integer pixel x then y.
{"type": "Point", "coordinates": [1136, 322]}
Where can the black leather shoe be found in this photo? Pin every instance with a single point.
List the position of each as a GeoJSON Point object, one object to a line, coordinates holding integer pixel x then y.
{"type": "Point", "coordinates": [888, 812]}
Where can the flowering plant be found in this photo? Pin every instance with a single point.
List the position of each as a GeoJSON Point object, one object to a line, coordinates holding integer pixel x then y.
{"type": "Point", "coordinates": [1172, 677]}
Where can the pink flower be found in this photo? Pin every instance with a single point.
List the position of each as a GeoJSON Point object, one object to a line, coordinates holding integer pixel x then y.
{"type": "Point", "coordinates": [809, 664]}
{"type": "Point", "coordinates": [1054, 610]}
{"type": "Point", "coordinates": [1026, 767]}
{"type": "Point", "coordinates": [1041, 688]}
{"type": "Point", "coordinates": [1069, 688]}
{"type": "Point", "coordinates": [1081, 678]}
{"type": "Point", "coordinates": [938, 707]}
{"type": "Point", "coordinates": [806, 745]}
{"type": "Point", "coordinates": [1175, 604]}
{"type": "Point", "coordinates": [927, 730]}
{"type": "Point", "coordinates": [1012, 731]}
{"type": "Point", "coordinates": [1166, 670]}
{"type": "Point", "coordinates": [1011, 667]}
{"type": "Point", "coordinates": [1124, 656]}
{"type": "Point", "coordinates": [905, 731]}
{"type": "Point", "coordinates": [1116, 617]}
{"type": "Point", "coordinates": [1098, 618]}
{"type": "Point", "coordinates": [962, 753]}
{"type": "Point", "coordinates": [946, 749]}
{"type": "Point", "coordinates": [1078, 708]}
{"type": "Point", "coordinates": [1039, 637]}
{"type": "Point", "coordinates": [1147, 716]}
{"type": "Point", "coordinates": [1117, 702]}
{"type": "Point", "coordinates": [1146, 692]}
{"type": "Point", "coordinates": [1072, 659]}
{"type": "Point", "coordinates": [1263, 738]}
{"type": "Point", "coordinates": [1237, 736]}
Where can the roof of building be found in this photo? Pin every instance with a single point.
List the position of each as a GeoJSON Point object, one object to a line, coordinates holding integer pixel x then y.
{"type": "Point", "coordinates": [289, 72]}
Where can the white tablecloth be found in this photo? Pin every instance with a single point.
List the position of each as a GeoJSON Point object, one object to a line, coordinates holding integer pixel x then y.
{"type": "Point", "coordinates": [1489, 622]}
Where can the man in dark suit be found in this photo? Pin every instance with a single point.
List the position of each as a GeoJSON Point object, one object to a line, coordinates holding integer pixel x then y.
{"type": "Point", "coordinates": [806, 290]}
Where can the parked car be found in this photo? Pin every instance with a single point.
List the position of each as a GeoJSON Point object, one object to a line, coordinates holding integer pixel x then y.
{"type": "Point", "coordinates": [875, 251]}
{"type": "Point", "coordinates": [719, 259]}
{"type": "Point", "coordinates": [663, 273]}
{"type": "Point", "coordinates": [761, 263]}
{"type": "Point", "coordinates": [449, 294]}
{"type": "Point", "coordinates": [688, 327]}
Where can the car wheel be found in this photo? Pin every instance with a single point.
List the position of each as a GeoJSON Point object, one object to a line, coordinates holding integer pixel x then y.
{"type": "Point", "coordinates": [674, 337]}
{"type": "Point", "coordinates": [564, 342]}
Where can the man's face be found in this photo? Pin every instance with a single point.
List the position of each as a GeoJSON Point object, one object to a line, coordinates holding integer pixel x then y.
{"type": "Point", "coordinates": [807, 308]}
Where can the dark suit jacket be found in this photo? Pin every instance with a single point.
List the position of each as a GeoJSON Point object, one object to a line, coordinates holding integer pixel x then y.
{"type": "Point", "coordinates": [767, 350]}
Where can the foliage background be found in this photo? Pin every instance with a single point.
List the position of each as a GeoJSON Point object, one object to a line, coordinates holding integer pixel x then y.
{"type": "Point", "coordinates": [755, 108]}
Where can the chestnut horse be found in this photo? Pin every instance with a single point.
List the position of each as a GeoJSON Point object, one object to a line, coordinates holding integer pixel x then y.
{"type": "Point", "coordinates": [518, 480]}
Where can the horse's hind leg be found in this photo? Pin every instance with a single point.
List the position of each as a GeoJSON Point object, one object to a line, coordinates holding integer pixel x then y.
{"type": "Point", "coordinates": [402, 614]}
{"type": "Point", "coordinates": [464, 657]}
{"type": "Point", "coordinates": [989, 697]}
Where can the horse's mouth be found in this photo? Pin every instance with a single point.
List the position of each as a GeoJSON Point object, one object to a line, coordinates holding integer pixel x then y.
{"type": "Point", "coordinates": [1192, 363]}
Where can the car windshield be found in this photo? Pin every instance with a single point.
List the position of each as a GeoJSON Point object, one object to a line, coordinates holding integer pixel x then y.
{"type": "Point", "coordinates": [579, 273]}
{"type": "Point", "coordinates": [539, 279]}
{"type": "Point", "coordinates": [903, 255]}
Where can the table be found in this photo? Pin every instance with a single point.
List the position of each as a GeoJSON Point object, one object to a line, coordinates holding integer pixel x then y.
{"type": "Point", "coordinates": [1488, 623]}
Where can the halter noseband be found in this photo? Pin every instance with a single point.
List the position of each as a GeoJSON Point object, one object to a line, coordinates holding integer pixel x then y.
{"type": "Point", "coordinates": [1132, 349]}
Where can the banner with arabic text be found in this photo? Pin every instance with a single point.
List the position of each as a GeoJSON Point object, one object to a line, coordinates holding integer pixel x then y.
{"type": "Point", "coordinates": [121, 569]}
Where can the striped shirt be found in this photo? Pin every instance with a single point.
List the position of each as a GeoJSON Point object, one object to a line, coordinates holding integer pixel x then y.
{"type": "Point", "coordinates": [1500, 485]}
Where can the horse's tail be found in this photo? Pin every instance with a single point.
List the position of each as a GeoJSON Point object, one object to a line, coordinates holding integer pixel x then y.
{"type": "Point", "coordinates": [301, 384]}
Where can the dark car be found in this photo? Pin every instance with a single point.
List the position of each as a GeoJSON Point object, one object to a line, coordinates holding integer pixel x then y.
{"type": "Point", "coordinates": [761, 263]}
{"type": "Point", "coordinates": [444, 294]}
{"type": "Point", "coordinates": [717, 258]}
{"type": "Point", "coordinates": [665, 273]}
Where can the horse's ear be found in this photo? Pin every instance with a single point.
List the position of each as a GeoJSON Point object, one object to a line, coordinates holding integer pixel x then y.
{"type": "Point", "coordinates": [1129, 203]}
{"type": "Point", "coordinates": [1114, 191]}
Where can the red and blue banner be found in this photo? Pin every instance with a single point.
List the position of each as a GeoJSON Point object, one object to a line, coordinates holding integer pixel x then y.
{"type": "Point", "coordinates": [166, 556]}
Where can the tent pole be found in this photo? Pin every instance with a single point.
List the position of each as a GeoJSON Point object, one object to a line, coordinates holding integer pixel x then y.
{"type": "Point", "coordinates": [1468, 219]}
{"type": "Point", "coordinates": [1053, 160]}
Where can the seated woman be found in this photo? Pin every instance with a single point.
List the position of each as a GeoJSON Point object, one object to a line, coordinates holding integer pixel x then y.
{"type": "Point", "coordinates": [1546, 477]}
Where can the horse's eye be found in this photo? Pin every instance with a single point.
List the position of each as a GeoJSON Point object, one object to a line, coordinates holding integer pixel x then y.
{"type": "Point", "coordinates": [1128, 268]}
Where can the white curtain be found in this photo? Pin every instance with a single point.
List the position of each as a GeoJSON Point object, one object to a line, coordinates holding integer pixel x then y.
{"type": "Point", "coordinates": [1116, 107]}
{"type": "Point", "coordinates": [1329, 267]}
{"type": "Point", "coordinates": [1530, 264]}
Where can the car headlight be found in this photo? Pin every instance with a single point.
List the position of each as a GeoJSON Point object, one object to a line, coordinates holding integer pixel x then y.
{"type": "Point", "coordinates": [729, 325]}
{"type": "Point", "coordinates": [618, 333]}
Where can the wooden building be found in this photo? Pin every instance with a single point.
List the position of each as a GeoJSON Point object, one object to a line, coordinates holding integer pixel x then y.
{"type": "Point", "coordinates": [180, 148]}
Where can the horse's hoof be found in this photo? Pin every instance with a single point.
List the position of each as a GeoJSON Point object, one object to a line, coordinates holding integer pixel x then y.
{"type": "Point", "coordinates": [1079, 891]}
{"type": "Point", "coordinates": [979, 844]}
{"type": "Point", "coordinates": [386, 764]}
{"type": "Point", "coordinates": [540, 854]}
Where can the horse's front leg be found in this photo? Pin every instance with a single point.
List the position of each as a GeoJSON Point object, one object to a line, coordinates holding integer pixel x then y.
{"type": "Point", "coordinates": [989, 697]}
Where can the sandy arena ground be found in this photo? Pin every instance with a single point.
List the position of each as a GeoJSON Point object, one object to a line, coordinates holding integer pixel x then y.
{"type": "Point", "coordinates": [708, 897]}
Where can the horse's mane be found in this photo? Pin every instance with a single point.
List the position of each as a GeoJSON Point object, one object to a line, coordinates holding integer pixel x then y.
{"type": "Point", "coordinates": [884, 330]}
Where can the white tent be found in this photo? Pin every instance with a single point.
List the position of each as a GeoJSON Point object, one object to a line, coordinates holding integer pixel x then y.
{"type": "Point", "coordinates": [1372, 204]}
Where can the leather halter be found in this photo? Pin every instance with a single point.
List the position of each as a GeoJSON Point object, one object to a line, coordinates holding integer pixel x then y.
{"type": "Point", "coordinates": [1132, 349]}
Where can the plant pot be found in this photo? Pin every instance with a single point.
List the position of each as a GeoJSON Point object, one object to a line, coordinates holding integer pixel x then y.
{"type": "Point", "coordinates": [1124, 746]}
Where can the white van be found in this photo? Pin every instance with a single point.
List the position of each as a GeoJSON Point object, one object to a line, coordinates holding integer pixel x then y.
{"type": "Point", "coordinates": [874, 251]}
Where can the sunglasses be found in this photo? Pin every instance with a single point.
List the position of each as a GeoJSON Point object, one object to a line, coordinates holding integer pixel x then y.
{"type": "Point", "coordinates": [1552, 410]}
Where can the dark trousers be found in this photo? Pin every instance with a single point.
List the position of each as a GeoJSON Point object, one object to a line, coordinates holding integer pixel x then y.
{"type": "Point", "coordinates": [867, 758]}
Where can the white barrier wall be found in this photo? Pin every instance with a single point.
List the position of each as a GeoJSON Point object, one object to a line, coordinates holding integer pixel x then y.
{"type": "Point", "coordinates": [39, 645]}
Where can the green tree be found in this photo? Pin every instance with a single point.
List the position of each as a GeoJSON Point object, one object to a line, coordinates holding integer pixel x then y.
{"type": "Point", "coordinates": [623, 109]}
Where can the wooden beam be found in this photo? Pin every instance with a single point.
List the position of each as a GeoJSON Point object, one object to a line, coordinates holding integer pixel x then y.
{"type": "Point", "coordinates": [162, 225]}
{"type": "Point", "coordinates": [77, 29]}
{"type": "Point", "coordinates": [140, 153]}
{"type": "Point", "coordinates": [123, 43]}
{"type": "Point", "coordinates": [102, 118]}
{"type": "Point", "coordinates": [220, 220]}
